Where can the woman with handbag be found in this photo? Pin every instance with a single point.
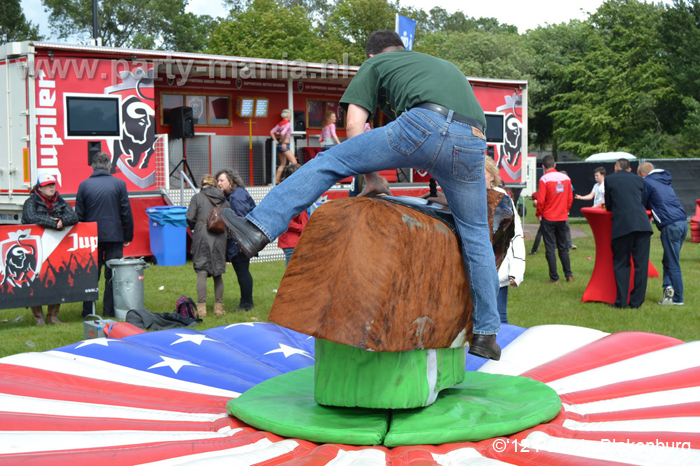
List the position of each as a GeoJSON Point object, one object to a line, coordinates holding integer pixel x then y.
{"type": "Point", "coordinates": [241, 204]}
{"type": "Point", "coordinates": [47, 208]}
{"type": "Point", "coordinates": [208, 243]}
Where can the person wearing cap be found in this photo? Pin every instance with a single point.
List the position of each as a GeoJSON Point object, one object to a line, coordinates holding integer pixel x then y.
{"type": "Point", "coordinates": [45, 207]}
{"type": "Point", "coordinates": [102, 198]}
{"type": "Point", "coordinates": [438, 125]}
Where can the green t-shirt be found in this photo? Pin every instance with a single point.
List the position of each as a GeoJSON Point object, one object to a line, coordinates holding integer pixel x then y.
{"type": "Point", "coordinates": [401, 79]}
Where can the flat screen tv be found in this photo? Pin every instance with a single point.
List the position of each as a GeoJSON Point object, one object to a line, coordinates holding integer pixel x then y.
{"type": "Point", "coordinates": [494, 128]}
{"type": "Point", "coordinates": [92, 116]}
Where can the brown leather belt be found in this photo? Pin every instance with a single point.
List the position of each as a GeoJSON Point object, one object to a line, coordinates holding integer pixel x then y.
{"type": "Point", "coordinates": [444, 111]}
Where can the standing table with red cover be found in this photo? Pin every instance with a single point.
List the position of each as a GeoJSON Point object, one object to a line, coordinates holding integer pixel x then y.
{"type": "Point", "coordinates": [601, 287]}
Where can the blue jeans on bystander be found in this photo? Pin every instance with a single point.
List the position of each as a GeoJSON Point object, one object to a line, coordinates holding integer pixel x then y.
{"type": "Point", "coordinates": [672, 237]}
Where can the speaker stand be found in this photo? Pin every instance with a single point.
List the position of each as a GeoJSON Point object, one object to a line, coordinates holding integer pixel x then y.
{"type": "Point", "coordinates": [185, 165]}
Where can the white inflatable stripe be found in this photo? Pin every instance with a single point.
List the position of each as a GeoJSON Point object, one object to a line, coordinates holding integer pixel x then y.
{"type": "Point", "coordinates": [64, 363]}
{"type": "Point", "coordinates": [664, 361]}
{"type": "Point", "coordinates": [254, 453]}
{"type": "Point", "coordinates": [431, 375]}
{"type": "Point", "coordinates": [30, 441]}
{"type": "Point", "coordinates": [465, 457]}
{"type": "Point", "coordinates": [673, 424]}
{"type": "Point", "coordinates": [644, 400]}
{"type": "Point", "coordinates": [30, 405]}
{"type": "Point", "coordinates": [368, 457]}
{"type": "Point", "coordinates": [528, 351]}
{"type": "Point", "coordinates": [624, 452]}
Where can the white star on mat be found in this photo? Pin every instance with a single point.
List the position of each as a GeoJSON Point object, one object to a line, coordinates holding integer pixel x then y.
{"type": "Point", "coordinates": [249, 324]}
{"type": "Point", "coordinates": [174, 364]}
{"type": "Point", "coordinates": [96, 341]}
{"type": "Point", "coordinates": [191, 337]}
{"type": "Point", "coordinates": [289, 351]}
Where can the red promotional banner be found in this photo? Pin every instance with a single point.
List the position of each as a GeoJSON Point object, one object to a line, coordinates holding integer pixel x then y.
{"type": "Point", "coordinates": [42, 266]}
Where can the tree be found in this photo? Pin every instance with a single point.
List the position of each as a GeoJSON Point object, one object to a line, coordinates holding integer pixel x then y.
{"type": "Point", "coordinates": [679, 32]}
{"type": "Point", "coordinates": [352, 21]}
{"type": "Point", "coordinates": [621, 94]}
{"type": "Point", "coordinates": [477, 53]}
{"type": "Point", "coordinates": [14, 26]}
{"type": "Point", "coordinates": [554, 50]}
{"type": "Point", "coordinates": [150, 24]}
{"type": "Point", "coordinates": [266, 29]}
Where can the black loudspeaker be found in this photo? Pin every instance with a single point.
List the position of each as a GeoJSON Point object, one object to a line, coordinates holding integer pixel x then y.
{"type": "Point", "coordinates": [93, 148]}
{"type": "Point", "coordinates": [299, 121]}
{"type": "Point", "coordinates": [181, 122]}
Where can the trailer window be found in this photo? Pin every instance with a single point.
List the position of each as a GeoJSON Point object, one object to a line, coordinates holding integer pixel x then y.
{"type": "Point", "coordinates": [316, 109]}
{"type": "Point", "coordinates": [207, 110]}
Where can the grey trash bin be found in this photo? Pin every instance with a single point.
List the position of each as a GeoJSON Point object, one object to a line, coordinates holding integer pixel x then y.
{"type": "Point", "coordinates": [127, 283]}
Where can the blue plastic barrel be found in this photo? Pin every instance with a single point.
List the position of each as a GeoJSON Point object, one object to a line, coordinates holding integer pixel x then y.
{"type": "Point", "coordinates": [167, 229]}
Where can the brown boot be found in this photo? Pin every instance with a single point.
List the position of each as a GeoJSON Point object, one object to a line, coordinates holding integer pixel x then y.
{"type": "Point", "coordinates": [201, 310]}
{"type": "Point", "coordinates": [38, 312]}
{"type": "Point", "coordinates": [219, 309]}
{"type": "Point", "coordinates": [52, 315]}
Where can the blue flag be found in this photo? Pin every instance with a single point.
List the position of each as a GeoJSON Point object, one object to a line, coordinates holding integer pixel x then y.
{"type": "Point", "coordinates": [406, 29]}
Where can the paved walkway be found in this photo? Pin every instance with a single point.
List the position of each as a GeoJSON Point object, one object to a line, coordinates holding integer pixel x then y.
{"type": "Point", "coordinates": [530, 230]}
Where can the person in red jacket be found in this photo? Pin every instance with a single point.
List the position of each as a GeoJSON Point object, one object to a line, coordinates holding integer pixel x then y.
{"type": "Point", "coordinates": [287, 241]}
{"type": "Point", "coordinates": [553, 204]}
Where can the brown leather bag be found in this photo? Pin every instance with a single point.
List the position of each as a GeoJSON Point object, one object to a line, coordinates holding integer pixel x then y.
{"type": "Point", "coordinates": [214, 222]}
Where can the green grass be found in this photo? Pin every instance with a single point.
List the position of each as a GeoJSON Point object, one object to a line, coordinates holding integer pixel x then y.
{"type": "Point", "coordinates": [175, 281]}
{"type": "Point", "coordinates": [535, 302]}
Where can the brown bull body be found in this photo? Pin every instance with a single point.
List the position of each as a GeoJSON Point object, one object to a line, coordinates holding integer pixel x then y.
{"type": "Point", "coordinates": [379, 276]}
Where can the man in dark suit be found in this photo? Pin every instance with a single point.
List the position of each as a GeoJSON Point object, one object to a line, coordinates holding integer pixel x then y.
{"type": "Point", "coordinates": [102, 198]}
{"type": "Point", "coordinates": [631, 233]}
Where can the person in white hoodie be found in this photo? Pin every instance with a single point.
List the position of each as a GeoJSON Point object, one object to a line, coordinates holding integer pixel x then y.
{"type": "Point", "coordinates": [512, 269]}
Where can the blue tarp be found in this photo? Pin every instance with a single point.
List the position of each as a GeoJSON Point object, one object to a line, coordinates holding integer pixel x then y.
{"type": "Point", "coordinates": [168, 215]}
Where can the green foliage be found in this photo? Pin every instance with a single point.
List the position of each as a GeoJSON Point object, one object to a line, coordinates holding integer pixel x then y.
{"type": "Point", "coordinates": [352, 21]}
{"type": "Point", "coordinates": [175, 282]}
{"type": "Point", "coordinates": [14, 26]}
{"type": "Point", "coordinates": [267, 29]}
{"type": "Point", "coordinates": [150, 24]}
{"type": "Point", "coordinates": [620, 88]}
{"type": "Point", "coordinates": [479, 53]}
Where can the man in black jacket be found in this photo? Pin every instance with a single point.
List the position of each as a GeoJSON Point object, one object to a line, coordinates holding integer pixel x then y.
{"type": "Point", "coordinates": [102, 198]}
{"type": "Point", "coordinates": [631, 233]}
{"type": "Point", "coordinates": [672, 222]}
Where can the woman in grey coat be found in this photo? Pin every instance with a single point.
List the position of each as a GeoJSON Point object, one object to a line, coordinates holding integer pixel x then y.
{"type": "Point", "coordinates": [208, 248]}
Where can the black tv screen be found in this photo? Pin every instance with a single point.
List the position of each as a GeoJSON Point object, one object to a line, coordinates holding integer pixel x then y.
{"type": "Point", "coordinates": [494, 128]}
{"type": "Point", "coordinates": [92, 116]}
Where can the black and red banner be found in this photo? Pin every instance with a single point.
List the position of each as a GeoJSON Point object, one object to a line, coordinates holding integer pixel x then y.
{"type": "Point", "coordinates": [41, 266]}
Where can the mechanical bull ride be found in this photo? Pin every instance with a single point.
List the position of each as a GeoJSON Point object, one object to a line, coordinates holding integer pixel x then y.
{"type": "Point", "coordinates": [387, 337]}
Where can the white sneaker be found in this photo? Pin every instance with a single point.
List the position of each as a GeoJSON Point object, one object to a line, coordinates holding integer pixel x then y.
{"type": "Point", "coordinates": [677, 304]}
{"type": "Point", "coordinates": [668, 297]}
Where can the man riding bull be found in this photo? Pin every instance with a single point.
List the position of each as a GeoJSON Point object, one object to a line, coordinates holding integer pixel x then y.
{"type": "Point", "coordinates": [437, 126]}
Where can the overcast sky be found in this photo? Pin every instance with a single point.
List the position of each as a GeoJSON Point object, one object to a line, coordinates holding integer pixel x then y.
{"type": "Point", "coordinates": [525, 14]}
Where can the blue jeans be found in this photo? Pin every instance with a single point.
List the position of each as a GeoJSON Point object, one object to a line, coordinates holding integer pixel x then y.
{"type": "Point", "coordinates": [420, 139]}
{"type": "Point", "coordinates": [503, 304]}
{"type": "Point", "coordinates": [672, 237]}
{"type": "Point", "coordinates": [287, 254]}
